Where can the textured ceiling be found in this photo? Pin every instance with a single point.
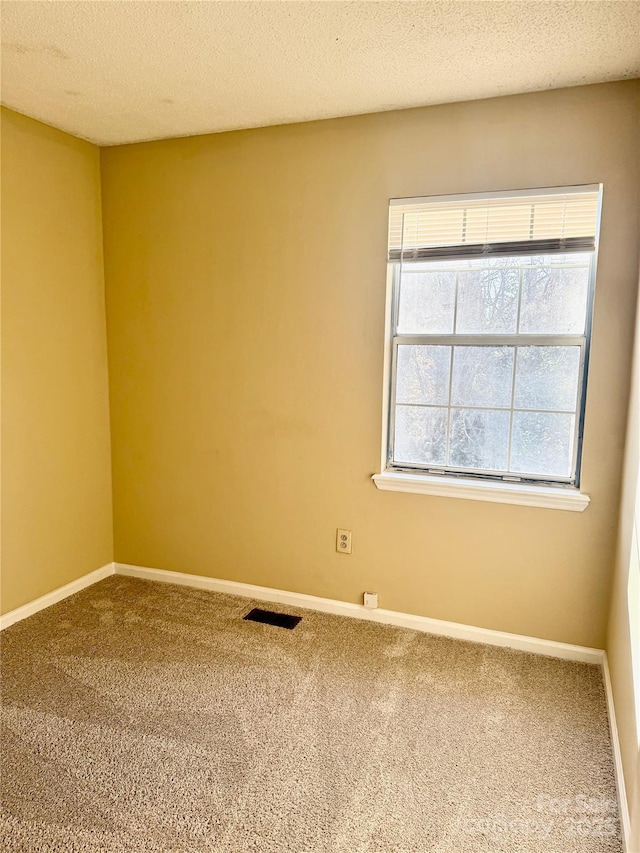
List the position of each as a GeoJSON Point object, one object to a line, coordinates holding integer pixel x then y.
{"type": "Point", "coordinates": [127, 71]}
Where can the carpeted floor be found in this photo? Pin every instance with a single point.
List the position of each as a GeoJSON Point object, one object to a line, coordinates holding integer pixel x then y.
{"type": "Point", "coordinates": [146, 717]}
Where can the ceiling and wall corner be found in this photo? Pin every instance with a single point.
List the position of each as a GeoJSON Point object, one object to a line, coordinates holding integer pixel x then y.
{"type": "Point", "coordinates": [119, 72]}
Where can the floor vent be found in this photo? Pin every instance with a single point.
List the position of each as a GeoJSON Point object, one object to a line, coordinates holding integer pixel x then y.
{"type": "Point", "coordinates": [269, 617]}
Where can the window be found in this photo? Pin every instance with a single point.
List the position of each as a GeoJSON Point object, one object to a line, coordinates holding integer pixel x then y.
{"type": "Point", "coordinates": [488, 343]}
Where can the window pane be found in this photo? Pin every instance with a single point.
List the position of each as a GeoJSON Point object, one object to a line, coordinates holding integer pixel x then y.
{"type": "Point", "coordinates": [426, 302]}
{"type": "Point", "coordinates": [423, 374]}
{"type": "Point", "coordinates": [542, 443]}
{"type": "Point", "coordinates": [482, 376]}
{"type": "Point", "coordinates": [479, 439]}
{"type": "Point", "coordinates": [547, 378]}
{"type": "Point", "coordinates": [420, 435]}
{"type": "Point", "coordinates": [488, 298]}
{"type": "Point", "coordinates": [554, 298]}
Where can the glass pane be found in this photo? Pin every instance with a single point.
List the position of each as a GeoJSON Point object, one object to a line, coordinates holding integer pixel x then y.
{"type": "Point", "coordinates": [542, 443]}
{"type": "Point", "coordinates": [426, 302]}
{"type": "Point", "coordinates": [479, 439]}
{"type": "Point", "coordinates": [554, 298]}
{"type": "Point", "coordinates": [420, 435]}
{"type": "Point", "coordinates": [547, 378]}
{"type": "Point", "coordinates": [488, 298]}
{"type": "Point", "coordinates": [423, 374]}
{"type": "Point", "coordinates": [482, 376]}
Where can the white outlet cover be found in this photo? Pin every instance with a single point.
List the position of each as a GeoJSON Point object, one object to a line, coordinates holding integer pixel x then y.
{"type": "Point", "coordinates": [371, 600]}
{"type": "Point", "coordinates": [343, 541]}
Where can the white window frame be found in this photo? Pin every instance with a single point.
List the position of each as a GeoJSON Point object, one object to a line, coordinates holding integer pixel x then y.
{"type": "Point", "coordinates": [501, 487]}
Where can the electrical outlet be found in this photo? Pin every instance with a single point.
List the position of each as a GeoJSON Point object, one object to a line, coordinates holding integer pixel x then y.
{"type": "Point", "coordinates": [343, 541]}
{"type": "Point", "coordinates": [371, 600]}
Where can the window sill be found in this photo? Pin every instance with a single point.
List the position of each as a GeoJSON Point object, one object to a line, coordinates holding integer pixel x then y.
{"type": "Point", "coordinates": [549, 497]}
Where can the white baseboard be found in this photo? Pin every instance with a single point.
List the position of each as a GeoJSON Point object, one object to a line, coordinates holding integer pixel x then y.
{"type": "Point", "coordinates": [455, 630]}
{"type": "Point", "coordinates": [56, 595]}
{"type": "Point", "coordinates": [623, 803]}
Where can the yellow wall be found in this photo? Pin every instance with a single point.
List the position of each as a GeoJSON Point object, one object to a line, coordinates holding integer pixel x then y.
{"type": "Point", "coordinates": [56, 478]}
{"type": "Point", "coordinates": [245, 279]}
{"type": "Point", "coordinates": [619, 647]}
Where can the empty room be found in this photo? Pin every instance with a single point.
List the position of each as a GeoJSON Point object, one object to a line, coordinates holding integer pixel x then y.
{"type": "Point", "coordinates": [320, 365]}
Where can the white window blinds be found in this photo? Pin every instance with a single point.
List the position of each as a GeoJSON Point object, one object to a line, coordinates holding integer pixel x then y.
{"type": "Point", "coordinates": [526, 222]}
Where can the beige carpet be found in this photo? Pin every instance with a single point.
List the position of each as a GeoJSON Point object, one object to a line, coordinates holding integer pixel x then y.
{"type": "Point", "coordinates": [146, 717]}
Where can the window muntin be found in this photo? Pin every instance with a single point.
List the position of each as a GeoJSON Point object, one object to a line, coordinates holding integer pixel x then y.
{"type": "Point", "coordinates": [488, 368]}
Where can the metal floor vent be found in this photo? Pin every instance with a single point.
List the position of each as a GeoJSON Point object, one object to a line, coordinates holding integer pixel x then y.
{"type": "Point", "coordinates": [269, 617]}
